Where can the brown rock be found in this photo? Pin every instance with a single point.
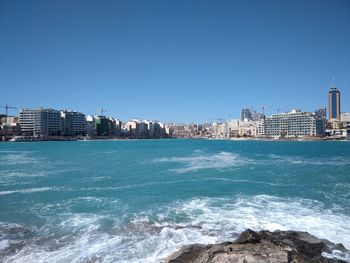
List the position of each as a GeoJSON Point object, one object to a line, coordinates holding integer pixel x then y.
{"type": "Point", "coordinates": [259, 247]}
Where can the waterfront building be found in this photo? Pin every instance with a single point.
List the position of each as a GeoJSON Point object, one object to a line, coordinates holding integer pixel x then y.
{"type": "Point", "coordinates": [293, 124]}
{"type": "Point", "coordinates": [261, 131]}
{"type": "Point", "coordinates": [73, 123]}
{"type": "Point", "coordinates": [101, 123]}
{"type": "Point", "coordinates": [47, 122]}
{"type": "Point", "coordinates": [114, 127]}
{"type": "Point", "coordinates": [334, 104]}
{"type": "Point", "coordinates": [233, 128]}
{"type": "Point", "coordinates": [345, 119]}
{"type": "Point", "coordinates": [9, 126]}
{"type": "Point", "coordinates": [40, 122]}
{"type": "Point", "coordinates": [248, 128]}
{"type": "Point", "coordinates": [246, 114]}
{"type": "Point", "coordinates": [90, 126]}
{"type": "Point", "coordinates": [136, 129]}
{"type": "Point", "coordinates": [180, 130]}
{"type": "Point", "coordinates": [155, 129]}
{"type": "Point", "coordinates": [220, 130]}
{"type": "Point", "coordinates": [26, 120]}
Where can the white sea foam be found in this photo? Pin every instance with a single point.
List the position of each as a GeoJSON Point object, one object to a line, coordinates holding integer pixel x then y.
{"type": "Point", "coordinates": [298, 160]}
{"type": "Point", "coordinates": [19, 158]}
{"type": "Point", "coordinates": [29, 190]}
{"type": "Point", "coordinates": [201, 161]}
{"type": "Point", "coordinates": [154, 234]}
{"type": "Point", "coordinates": [4, 244]}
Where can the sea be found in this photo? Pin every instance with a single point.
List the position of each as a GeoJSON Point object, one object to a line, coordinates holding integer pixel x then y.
{"type": "Point", "coordinates": [141, 200]}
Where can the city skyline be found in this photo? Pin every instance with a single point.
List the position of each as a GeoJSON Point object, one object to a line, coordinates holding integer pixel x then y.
{"type": "Point", "coordinates": [245, 113]}
{"type": "Point", "coordinates": [183, 62]}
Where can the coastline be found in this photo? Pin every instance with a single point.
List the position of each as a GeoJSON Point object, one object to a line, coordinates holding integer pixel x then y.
{"type": "Point", "coordinates": [265, 246]}
{"type": "Point", "coordinates": [104, 138]}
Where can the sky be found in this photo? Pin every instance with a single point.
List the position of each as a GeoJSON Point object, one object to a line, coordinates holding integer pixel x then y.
{"type": "Point", "coordinates": [174, 61]}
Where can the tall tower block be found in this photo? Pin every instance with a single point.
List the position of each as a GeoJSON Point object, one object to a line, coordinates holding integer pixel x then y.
{"type": "Point", "coordinates": [334, 103]}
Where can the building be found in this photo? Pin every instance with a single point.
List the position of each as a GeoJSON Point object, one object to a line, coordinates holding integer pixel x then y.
{"type": "Point", "coordinates": [248, 128]}
{"type": "Point", "coordinates": [293, 124]}
{"type": "Point", "coordinates": [321, 112]}
{"type": "Point", "coordinates": [136, 129]}
{"type": "Point", "coordinates": [258, 116]}
{"type": "Point", "coordinates": [220, 130]}
{"type": "Point", "coordinates": [114, 127]}
{"type": "Point", "coordinates": [233, 128]}
{"type": "Point", "coordinates": [334, 104]}
{"type": "Point", "coordinates": [73, 123]}
{"type": "Point", "coordinates": [246, 114]}
{"type": "Point", "coordinates": [26, 120]}
{"type": "Point", "coordinates": [47, 122]}
{"type": "Point", "coordinates": [102, 127]}
{"type": "Point", "coordinates": [9, 126]}
{"type": "Point", "coordinates": [40, 122]}
{"type": "Point", "coordinates": [345, 119]}
{"type": "Point", "coordinates": [91, 126]}
{"type": "Point", "coordinates": [155, 129]}
{"type": "Point", "coordinates": [261, 128]}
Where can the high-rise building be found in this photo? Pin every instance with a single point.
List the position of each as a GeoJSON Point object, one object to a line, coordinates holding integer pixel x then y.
{"type": "Point", "coordinates": [246, 114]}
{"type": "Point", "coordinates": [334, 104]}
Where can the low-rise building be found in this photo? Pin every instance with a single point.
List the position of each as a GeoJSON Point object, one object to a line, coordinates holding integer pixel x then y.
{"type": "Point", "coordinates": [248, 128]}
{"type": "Point", "coordinates": [345, 119]}
{"type": "Point", "coordinates": [9, 126]}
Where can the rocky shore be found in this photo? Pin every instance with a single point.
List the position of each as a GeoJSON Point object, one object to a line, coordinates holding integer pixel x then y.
{"type": "Point", "coordinates": [264, 246]}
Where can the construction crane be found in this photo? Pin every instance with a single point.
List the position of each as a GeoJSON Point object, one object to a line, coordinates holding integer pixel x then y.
{"type": "Point", "coordinates": [7, 107]}
{"type": "Point", "coordinates": [102, 111]}
{"type": "Point", "coordinates": [263, 108]}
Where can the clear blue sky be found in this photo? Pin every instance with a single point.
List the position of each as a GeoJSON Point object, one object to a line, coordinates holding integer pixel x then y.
{"type": "Point", "coordinates": [173, 60]}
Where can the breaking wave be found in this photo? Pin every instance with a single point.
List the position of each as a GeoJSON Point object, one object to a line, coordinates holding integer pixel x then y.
{"type": "Point", "coordinates": [152, 235]}
{"type": "Point", "coordinates": [29, 190]}
{"type": "Point", "coordinates": [202, 161]}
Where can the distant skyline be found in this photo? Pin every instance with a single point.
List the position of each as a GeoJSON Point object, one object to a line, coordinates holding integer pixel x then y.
{"type": "Point", "coordinates": [174, 61]}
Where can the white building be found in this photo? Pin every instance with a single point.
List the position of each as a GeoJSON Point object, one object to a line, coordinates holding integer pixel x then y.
{"type": "Point", "coordinates": [40, 122]}
{"type": "Point", "coordinates": [292, 125]}
{"type": "Point", "coordinates": [345, 119]}
{"type": "Point", "coordinates": [136, 128]}
{"type": "Point", "coordinates": [26, 120]}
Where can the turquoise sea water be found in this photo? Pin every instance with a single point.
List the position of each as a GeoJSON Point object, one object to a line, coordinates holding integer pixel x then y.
{"type": "Point", "coordinates": [140, 200]}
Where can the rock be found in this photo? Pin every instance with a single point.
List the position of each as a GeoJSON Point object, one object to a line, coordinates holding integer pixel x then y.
{"type": "Point", "coordinates": [187, 254]}
{"type": "Point", "coordinates": [248, 236]}
{"type": "Point", "coordinates": [260, 247]}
